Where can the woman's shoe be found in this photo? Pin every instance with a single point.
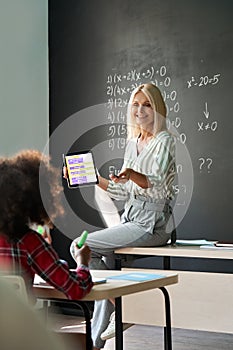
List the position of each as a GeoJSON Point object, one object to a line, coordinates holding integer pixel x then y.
{"type": "Point", "coordinates": [110, 331]}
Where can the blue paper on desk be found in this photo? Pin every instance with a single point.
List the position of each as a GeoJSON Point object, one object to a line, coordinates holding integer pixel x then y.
{"type": "Point", "coordinates": [136, 276]}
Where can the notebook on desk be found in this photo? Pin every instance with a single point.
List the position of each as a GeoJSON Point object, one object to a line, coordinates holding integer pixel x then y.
{"type": "Point", "coordinates": [136, 276]}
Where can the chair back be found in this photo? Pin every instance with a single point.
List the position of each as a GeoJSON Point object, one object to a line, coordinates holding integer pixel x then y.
{"type": "Point", "coordinates": [16, 283]}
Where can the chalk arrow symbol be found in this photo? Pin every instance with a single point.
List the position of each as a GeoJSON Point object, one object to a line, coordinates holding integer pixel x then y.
{"type": "Point", "coordinates": [206, 112]}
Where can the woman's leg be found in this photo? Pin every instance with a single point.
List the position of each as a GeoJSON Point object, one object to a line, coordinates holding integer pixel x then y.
{"type": "Point", "coordinates": [102, 312]}
{"type": "Point", "coordinates": [139, 227]}
{"type": "Point", "coordinates": [104, 242]}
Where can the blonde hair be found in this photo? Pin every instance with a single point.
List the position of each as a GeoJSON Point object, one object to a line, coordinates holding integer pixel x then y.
{"type": "Point", "coordinates": [158, 105]}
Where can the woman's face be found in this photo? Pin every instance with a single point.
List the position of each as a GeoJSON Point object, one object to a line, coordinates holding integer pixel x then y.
{"type": "Point", "coordinates": [142, 111]}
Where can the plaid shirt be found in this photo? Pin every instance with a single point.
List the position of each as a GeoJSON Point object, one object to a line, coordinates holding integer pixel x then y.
{"type": "Point", "coordinates": [32, 255]}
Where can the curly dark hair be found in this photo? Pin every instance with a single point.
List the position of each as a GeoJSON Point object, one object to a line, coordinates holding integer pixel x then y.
{"type": "Point", "coordinates": [22, 178]}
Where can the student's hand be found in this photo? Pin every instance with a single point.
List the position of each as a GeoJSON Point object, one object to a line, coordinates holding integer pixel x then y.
{"type": "Point", "coordinates": [65, 172]}
{"type": "Point", "coordinates": [82, 255]}
{"type": "Point", "coordinates": [46, 235]}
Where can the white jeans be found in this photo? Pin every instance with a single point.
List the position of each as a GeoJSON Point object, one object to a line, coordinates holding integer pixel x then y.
{"type": "Point", "coordinates": [143, 224]}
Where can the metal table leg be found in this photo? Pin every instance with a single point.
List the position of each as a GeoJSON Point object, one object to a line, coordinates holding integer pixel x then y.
{"type": "Point", "coordinates": [119, 327]}
{"type": "Point", "coordinates": [167, 328]}
{"type": "Point", "coordinates": [87, 316]}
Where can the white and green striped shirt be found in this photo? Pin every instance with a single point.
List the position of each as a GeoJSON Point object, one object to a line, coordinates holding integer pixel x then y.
{"type": "Point", "coordinates": [156, 161]}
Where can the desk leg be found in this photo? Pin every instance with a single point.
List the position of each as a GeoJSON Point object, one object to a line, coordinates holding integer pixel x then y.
{"type": "Point", "coordinates": [167, 329]}
{"type": "Point", "coordinates": [87, 316]}
{"type": "Point", "coordinates": [119, 327]}
{"type": "Point", "coordinates": [118, 263]}
{"type": "Point", "coordinates": [166, 263]}
{"type": "Point", "coordinates": [46, 310]}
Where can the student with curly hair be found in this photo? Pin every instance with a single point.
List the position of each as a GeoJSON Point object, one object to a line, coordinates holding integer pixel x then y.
{"type": "Point", "coordinates": [22, 250]}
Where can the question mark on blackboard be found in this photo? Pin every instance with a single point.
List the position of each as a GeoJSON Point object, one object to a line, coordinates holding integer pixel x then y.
{"type": "Point", "coordinates": [210, 161]}
{"type": "Point", "coordinates": [202, 162]}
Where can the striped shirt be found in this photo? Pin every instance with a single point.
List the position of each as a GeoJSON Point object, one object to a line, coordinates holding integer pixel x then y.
{"type": "Point", "coordinates": [32, 255]}
{"type": "Point", "coordinates": [156, 161]}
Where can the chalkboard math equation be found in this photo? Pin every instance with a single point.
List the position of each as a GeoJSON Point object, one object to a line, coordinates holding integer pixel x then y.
{"type": "Point", "coordinates": [203, 81]}
{"type": "Point", "coordinates": [120, 85]}
{"type": "Point", "coordinates": [207, 125]}
{"type": "Point", "coordinates": [134, 75]}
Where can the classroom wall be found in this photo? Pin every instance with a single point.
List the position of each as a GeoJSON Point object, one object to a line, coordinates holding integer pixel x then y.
{"type": "Point", "coordinates": [23, 75]}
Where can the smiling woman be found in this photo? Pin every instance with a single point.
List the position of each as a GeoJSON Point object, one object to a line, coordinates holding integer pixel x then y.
{"type": "Point", "coordinates": [145, 183]}
{"type": "Point", "coordinates": [143, 113]}
{"type": "Point", "coordinates": [146, 101]}
{"type": "Point", "coordinates": [144, 117]}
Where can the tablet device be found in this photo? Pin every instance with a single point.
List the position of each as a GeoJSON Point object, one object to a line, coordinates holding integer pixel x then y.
{"type": "Point", "coordinates": [81, 170]}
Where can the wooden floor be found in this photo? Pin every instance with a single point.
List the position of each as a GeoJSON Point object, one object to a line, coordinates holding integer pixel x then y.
{"type": "Point", "coordinates": [151, 338]}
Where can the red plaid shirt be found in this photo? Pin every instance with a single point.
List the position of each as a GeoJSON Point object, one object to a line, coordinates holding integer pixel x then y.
{"type": "Point", "coordinates": [33, 255]}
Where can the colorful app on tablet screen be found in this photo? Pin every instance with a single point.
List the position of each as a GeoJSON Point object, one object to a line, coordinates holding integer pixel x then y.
{"type": "Point", "coordinates": [81, 169]}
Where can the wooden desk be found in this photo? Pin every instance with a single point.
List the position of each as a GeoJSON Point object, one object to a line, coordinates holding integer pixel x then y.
{"type": "Point", "coordinates": [116, 289]}
{"type": "Point", "coordinates": [177, 251]}
{"type": "Point", "coordinates": [201, 301]}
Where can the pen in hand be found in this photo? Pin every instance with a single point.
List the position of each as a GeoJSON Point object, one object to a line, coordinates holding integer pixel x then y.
{"type": "Point", "coordinates": [83, 252]}
{"type": "Point", "coordinates": [82, 239]}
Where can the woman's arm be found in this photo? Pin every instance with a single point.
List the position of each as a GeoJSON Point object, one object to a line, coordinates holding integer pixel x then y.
{"type": "Point", "coordinates": [163, 158]}
{"type": "Point", "coordinates": [103, 183]}
{"type": "Point", "coordinates": [130, 174]}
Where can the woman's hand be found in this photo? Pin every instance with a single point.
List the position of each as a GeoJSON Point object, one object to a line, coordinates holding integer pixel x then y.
{"type": "Point", "coordinates": [82, 255]}
{"type": "Point", "coordinates": [123, 177]}
{"type": "Point", "coordinates": [65, 172]}
{"type": "Point", "coordinates": [130, 174]}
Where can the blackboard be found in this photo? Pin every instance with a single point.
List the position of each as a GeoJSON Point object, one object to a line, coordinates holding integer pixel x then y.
{"type": "Point", "coordinates": [100, 50]}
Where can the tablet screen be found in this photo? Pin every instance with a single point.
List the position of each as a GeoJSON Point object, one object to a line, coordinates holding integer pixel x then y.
{"type": "Point", "coordinates": [81, 169]}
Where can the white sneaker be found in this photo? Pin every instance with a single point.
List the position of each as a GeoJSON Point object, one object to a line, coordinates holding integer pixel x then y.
{"type": "Point", "coordinates": [110, 330]}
